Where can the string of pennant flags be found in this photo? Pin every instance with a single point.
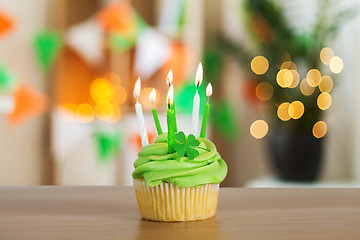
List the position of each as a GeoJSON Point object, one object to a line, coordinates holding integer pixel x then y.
{"type": "Point", "coordinates": [124, 28]}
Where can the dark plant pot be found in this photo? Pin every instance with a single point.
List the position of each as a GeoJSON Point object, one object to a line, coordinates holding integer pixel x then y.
{"type": "Point", "coordinates": [295, 156]}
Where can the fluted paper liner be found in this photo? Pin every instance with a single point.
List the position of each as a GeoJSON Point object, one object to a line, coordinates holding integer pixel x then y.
{"type": "Point", "coordinates": [168, 202]}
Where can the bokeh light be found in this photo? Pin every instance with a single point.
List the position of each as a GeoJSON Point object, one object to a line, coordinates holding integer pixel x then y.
{"type": "Point", "coordinates": [283, 111]}
{"type": "Point", "coordinates": [68, 112]}
{"type": "Point", "coordinates": [326, 55]}
{"type": "Point", "coordinates": [296, 109]}
{"type": "Point", "coordinates": [305, 88]}
{"type": "Point", "coordinates": [120, 95]}
{"type": "Point", "coordinates": [113, 78]}
{"type": "Point", "coordinates": [288, 78]}
{"type": "Point", "coordinates": [319, 129]}
{"type": "Point", "coordinates": [285, 78]}
{"type": "Point", "coordinates": [116, 115]}
{"type": "Point", "coordinates": [264, 91]}
{"type": "Point", "coordinates": [101, 89]}
{"type": "Point", "coordinates": [326, 84]}
{"type": "Point", "coordinates": [288, 65]}
{"type": "Point", "coordinates": [259, 129]}
{"type": "Point", "coordinates": [336, 65]}
{"type": "Point", "coordinates": [296, 79]}
{"type": "Point", "coordinates": [104, 110]}
{"type": "Point", "coordinates": [259, 65]}
{"type": "Point", "coordinates": [324, 101]}
{"type": "Point", "coordinates": [85, 113]}
{"type": "Point", "coordinates": [313, 77]}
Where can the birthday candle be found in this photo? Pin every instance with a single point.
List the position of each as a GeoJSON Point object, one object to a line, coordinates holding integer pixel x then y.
{"type": "Point", "coordinates": [140, 114]}
{"type": "Point", "coordinates": [209, 91]}
{"type": "Point", "coordinates": [170, 115]}
{"type": "Point", "coordinates": [169, 80]}
{"type": "Point", "coordinates": [196, 102]}
{"type": "Point", "coordinates": [152, 99]}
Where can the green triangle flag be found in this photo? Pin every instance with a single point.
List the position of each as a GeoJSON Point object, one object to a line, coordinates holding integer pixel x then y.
{"type": "Point", "coordinates": [108, 145]}
{"type": "Point", "coordinates": [47, 45]}
{"type": "Point", "coordinates": [7, 79]}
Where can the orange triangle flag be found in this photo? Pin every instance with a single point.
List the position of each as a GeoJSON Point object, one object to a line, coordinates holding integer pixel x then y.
{"type": "Point", "coordinates": [28, 103]}
{"type": "Point", "coordinates": [118, 17]}
{"type": "Point", "coordinates": [6, 23]}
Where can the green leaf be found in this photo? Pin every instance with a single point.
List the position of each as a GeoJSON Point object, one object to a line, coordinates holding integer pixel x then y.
{"type": "Point", "coordinates": [180, 149]}
{"type": "Point", "coordinates": [192, 153]}
{"type": "Point", "coordinates": [186, 147]}
{"type": "Point", "coordinates": [191, 141]}
{"type": "Point", "coordinates": [180, 136]}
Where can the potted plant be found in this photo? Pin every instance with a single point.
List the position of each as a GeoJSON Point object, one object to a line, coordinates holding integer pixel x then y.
{"type": "Point", "coordinates": [291, 74]}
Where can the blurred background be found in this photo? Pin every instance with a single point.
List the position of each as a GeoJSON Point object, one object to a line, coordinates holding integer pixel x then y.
{"type": "Point", "coordinates": [284, 75]}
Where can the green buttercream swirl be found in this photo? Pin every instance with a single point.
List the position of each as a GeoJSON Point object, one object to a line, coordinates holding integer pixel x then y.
{"type": "Point", "coordinates": [156, 165]}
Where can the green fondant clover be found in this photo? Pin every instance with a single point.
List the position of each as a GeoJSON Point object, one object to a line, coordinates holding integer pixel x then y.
{"type": "Point", "coordinates": [186, 147]}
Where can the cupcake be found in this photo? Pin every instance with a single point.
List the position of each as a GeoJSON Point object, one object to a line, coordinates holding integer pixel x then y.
{"type": "Point", "coordinates": [178, 186]}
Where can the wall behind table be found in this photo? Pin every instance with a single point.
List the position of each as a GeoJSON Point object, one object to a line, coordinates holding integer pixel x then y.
{"type": "Point", "coordinates": [22, 148]}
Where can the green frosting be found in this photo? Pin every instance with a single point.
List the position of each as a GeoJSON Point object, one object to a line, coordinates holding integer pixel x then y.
{"type": "Point", "coordinates": [156, 165]}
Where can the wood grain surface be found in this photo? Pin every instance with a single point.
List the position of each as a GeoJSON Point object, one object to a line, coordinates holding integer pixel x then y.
{"type": "Point", "coordinates": [111, 213]}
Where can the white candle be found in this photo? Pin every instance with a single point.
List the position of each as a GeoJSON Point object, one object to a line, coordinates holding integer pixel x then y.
{"type": "Point", "coordinates": [140, 114]}
{"type": "Point", "coordinates": [196, 103]}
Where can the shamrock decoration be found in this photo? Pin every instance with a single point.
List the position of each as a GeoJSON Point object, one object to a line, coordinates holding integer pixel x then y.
{"type": "Point", "coordinates": [187, 146]}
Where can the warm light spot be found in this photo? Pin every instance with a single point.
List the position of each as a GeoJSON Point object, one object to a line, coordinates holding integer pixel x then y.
{"type": "Point", "coordinates": [169, 78]}
{"type": "Point", "coordinates": [259, 65]}
{"type": "Point", "coordinates": [104, 110]}
{"type": "Point", "coordinates": [144, 98]}
{"type": "Point", "coordinates": [264, 91]}
{"type": "Point", "coordinates": [120, 96]}
{"type": "Point", "coordinates": [319, 130]}
{"type": "Point", "coordinates": [324, 101]}
{"type": "Point", "coordinates": [288, 78]}
{"type": "Point", "coordinates": [70, 107]}
{"type": "Point", "coordinates": [296, 79]}
{"type": "Point", "coordinates": [101, 89]}
{"type": "Point", "coordinates": [326, 84]}
{"type": "Point", "coordinates": [313, 77]}
{"type": "Point", "coordinates": [296, 109]}
{"type": "Point", "coordinates": [113, 78]}
{"type": "Point", "coordinates": [259, 129]}
{"type": "Point", "coordinates": [283, 111]}
{"type": "Point", "coordinates": [198, 76]}
{"type": "Point", "coordinates": [305, 88]}
{"type": "Point", "coordinates": [288, 65]}
{"type": "Point", "coordinates": [85, 113]}
{"type": "Point", "coordinates": [137, 88]}
{"type": "Point", "coordinates": [116, 116]}
{"type": "Point", "coordinates": [68, 112]}
{"type": "Point", "coordinates": [285, 78]}
{"type": "Point", "coordinates": [170, 96]}
{"type": "Point", "coordinates": [326, 55]}
{"type": "Point", "coordinates": [209, 90]}
{"type": "Point", "coordinates": [336, 65]}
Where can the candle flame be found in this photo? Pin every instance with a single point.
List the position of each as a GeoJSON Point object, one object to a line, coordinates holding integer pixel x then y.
{"type": "Point", "coordinates": [152, 96]}
{"type": "Point", "coordinates": [209, 90]}
{"type": "Point", "coordinates": [170, 96]}
{"type": "Point", "coordinates": [137, 88]}
{"type": "Point", "coordinates": [199, 75]}
{"type": "Point", "coordinates": [169, 78]}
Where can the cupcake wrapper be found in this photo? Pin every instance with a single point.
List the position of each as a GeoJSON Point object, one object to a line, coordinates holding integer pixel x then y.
{"type": "Point", "coordinates": [168, 202]}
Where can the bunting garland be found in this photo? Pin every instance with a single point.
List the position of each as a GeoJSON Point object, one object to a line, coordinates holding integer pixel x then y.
{"type": "Point", "coordinates": [47, 45]}
{"type": "Point", "coordinates": [6, 23]}
{"type": "Point", "coordinates": [28, 103]}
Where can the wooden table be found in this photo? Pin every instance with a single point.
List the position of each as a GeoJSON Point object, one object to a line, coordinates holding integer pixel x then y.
{"type": "Point", "coordinates": [111, 213]}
